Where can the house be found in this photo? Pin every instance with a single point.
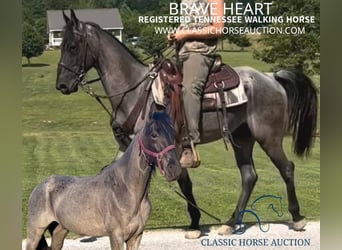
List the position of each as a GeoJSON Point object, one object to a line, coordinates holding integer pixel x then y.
{"type": "Point", "coordinates": [107, 19]}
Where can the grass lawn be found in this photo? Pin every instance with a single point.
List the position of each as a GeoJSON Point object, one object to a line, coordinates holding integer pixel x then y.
{"type": "Point", "coordinates": [70, 135]}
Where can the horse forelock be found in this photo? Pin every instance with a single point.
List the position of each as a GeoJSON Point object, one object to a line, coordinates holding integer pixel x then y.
{"type": "Point", "coordinates": [69, 34]}
{"type": "Point", "coordinates": [162, 125]}
{"type": "Point", "coordinates": [163, 122]}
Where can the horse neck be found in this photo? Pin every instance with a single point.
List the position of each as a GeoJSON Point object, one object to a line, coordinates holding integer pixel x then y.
{"type": "Point", "coordinates": [118, 69]}
{"type": "Point", "coordinates": [135, 171]}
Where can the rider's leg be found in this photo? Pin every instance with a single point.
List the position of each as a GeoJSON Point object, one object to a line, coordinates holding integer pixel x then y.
{"type": "Point", "coordinates": [195, 73]}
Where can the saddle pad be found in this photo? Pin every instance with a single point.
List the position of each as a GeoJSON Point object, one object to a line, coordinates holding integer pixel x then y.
{"type": "Point", "coordinates": [158, 91]}
{"type": "Point", "coordinates": [233, 97]}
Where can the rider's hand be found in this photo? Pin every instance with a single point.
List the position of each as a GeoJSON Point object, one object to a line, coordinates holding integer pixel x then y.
{"type": "Point", "coordinates": [170, 39]}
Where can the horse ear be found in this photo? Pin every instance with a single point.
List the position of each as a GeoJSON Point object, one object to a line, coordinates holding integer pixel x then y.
{"type": "Point", "coordinates": [66, 18]}
{"type": "Point", "coordinates": [74, 18]}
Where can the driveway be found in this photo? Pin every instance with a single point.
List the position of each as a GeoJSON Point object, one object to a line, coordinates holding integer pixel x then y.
{"type": "Point", "coordinates": [279, 236]}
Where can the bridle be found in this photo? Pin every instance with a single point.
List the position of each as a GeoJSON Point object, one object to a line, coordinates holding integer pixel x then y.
{"type": "Point", "coordinates": [156, 155]}
{"type": "Point", "coordinates": [81, 72]}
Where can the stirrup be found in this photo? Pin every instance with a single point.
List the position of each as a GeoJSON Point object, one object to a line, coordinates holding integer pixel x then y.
{"type": "Point", "coordinates": [197, 160]}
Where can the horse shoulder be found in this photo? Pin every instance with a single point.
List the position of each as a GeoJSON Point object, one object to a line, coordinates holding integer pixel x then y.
{"type": "Point", "coordinates": [137, 223]}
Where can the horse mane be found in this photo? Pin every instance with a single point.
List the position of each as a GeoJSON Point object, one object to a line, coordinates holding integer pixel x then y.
{"type": "Point", "coordinates": [68, 35]}
{"type": "Point", "coordinates": [96, 26]}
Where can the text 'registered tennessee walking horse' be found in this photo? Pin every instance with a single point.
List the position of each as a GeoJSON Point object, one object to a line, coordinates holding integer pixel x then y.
{"type": "Point", "coordinates": [114, 202]}
{"type": "Point", "coordinates": [277, 103]}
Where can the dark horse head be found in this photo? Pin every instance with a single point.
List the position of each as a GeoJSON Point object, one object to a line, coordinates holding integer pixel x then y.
{"type": "Point", "coordinates": [76, 57]}
{"type": "Point", "coordinates": [157, 143]}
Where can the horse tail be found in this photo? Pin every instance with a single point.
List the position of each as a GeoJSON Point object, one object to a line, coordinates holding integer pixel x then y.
{"type": "Point", "coordinates": [302, 105]}
{"type": "Point", "coordinates": [42, 245]}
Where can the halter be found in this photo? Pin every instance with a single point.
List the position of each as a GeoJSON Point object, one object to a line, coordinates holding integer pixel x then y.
{"type": "Point", "coordinates": [156, 155]}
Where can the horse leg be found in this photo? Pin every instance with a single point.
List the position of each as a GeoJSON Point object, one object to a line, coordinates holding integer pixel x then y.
{"type": "Point", "coordinates": [42, 243]}
{"type": "Point", "coordinates": [134, 242]}
{"type": "Point", "coordinates": [185, 185]}
{"type": "Point", "coordinates": [274, 150]}
{"type": "Point", "coordinates": [34, 236]}
{"type": "Point", "coordinates": [243, 149]}
{"type": "Point", "coordinates": [58, 236]}
{"type": "Point", "coordinates": [36, 226]}
{"type": "Point", "coordinates": [116, 243]}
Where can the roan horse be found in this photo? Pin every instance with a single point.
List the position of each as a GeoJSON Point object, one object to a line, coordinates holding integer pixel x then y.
{"type": "Point", "coordinates": [278, 102]}
{"type": "Point", "coordinates": [114, 202]}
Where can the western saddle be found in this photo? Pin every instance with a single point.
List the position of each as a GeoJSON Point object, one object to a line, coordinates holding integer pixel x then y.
{"type": "Point", "coordinates": [221, 78]}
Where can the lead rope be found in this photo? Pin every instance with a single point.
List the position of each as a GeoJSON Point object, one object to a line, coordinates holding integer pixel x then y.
{"type": "Point", "coordinates": [192, 204]}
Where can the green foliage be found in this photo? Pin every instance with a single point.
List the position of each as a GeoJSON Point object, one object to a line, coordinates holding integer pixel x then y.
{"type": "Point", "coordinates": [32, 42]}
{"type": "Point", "coordinates": [152, 43]}
{"type": "Point", "coordinates": [33, 28]}
{"type": "Point", "coordinates": [286, 51]}
{"type": "Point", "coordinates": [130, 20]}
{"type": "Point", "coordinates": [240, 40]}
{"type": "Point", "coordinates": [57, 5]}
{"type": "Point", "coordinates": [301, 51]}
{"type": "Point", "coordinates": [33, 9]}
{"type": "Point", "coordinates": [143, 6]}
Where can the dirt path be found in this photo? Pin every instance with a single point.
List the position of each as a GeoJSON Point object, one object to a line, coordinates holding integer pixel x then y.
{"type": "Point", "coordinates": [278, 237]}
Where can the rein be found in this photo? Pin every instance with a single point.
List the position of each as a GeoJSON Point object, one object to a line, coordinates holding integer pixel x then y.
{"type": "Point", "coordinates": [156, 155]}
{"type": "Point", "coordinates": [159, 157]}
{"type": "Point", "coordinates": [84, 84]}
{"type": "Point", "coordinates": [152, 74]}
{"type": "Point", "coordinates": [174, 189]}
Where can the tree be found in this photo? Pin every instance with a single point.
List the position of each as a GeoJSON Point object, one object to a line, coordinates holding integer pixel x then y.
{"type": "Point", "coordinates": [57, 5]}
{"type": "Point", "coordinates": [297, 51]}
{"type": "Point", "coordinates": [34, 9]}
{"type": "Point", "coordinates": [152, 43]}
{"type": "Point", "coordinates": [130, 21]}
{"type": "Point", "coordinates": [32, 42]}
{"type": "Point", "coordinates": [240, 40]}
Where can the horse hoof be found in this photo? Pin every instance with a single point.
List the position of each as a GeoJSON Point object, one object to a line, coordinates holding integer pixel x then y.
{"type": "Point", "coordinates": [193, 234]}
{"type": "Point", "coordinates": [299, 225]}
{"type": "Point", "coordinates": [225, 230]}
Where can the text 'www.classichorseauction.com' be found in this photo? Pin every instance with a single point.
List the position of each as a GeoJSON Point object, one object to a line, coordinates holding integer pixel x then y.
{"type": "Point", "coordinates": [238, 17]}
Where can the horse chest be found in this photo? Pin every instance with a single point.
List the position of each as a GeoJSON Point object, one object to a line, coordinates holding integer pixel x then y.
{"type": "Point", "coordinates": [138, 221]}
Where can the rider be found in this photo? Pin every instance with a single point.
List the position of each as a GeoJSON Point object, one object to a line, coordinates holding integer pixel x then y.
{"type": "Point", "coordinates": [196, 43]}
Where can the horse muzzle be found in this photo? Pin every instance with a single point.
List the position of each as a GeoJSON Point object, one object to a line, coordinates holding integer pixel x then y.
{"type": "Point", "coordinates": [172, 172]}
{"type": "Point", "coordinates": [65, 89]}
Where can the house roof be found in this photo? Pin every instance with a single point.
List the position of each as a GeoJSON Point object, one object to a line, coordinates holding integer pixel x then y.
{"type": "Point", "coordinates": [106, 18]}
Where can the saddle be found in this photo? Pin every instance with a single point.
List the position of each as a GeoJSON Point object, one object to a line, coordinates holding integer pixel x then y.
{"type": "Point", "coordinates": [221, 78]}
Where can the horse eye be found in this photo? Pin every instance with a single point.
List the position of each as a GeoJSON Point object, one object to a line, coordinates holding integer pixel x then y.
{"type": "Point", "coordinates": [154, 135]}
{"type": "Point", "coordinates": [73, 46]}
